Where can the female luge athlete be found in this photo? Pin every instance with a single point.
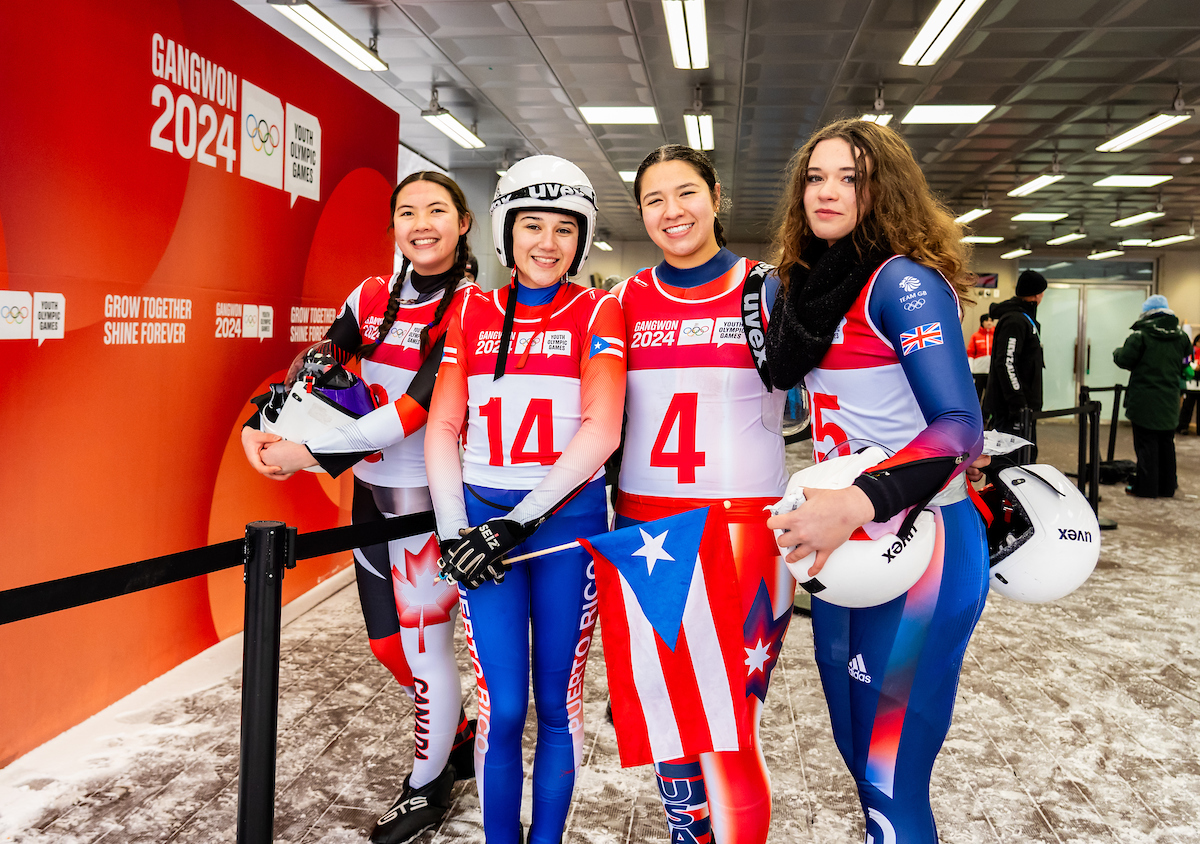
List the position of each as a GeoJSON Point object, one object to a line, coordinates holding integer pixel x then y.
{"type": "Point", "coordinates": [537, 370]}
{"type": "Point", "coordinates": [396, 325]}
{"type": "Point", "coordinates": [704, 429]}
{"type": "Point", "coordinates": [873, 270]}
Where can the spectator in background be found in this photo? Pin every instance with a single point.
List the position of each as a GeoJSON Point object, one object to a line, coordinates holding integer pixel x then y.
{"type": "Point", "coordinates": [1015, 371]}
{"type": "Point", "coordinates": [1191, 396]}
{"type": "Point", "coordinates": [979, 351]}
{"type": "Point", "coordinates": [1154, 354]}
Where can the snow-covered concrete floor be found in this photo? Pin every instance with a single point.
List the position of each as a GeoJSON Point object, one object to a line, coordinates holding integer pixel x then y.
{"type": "Point", "coordinates": [1075, 722]}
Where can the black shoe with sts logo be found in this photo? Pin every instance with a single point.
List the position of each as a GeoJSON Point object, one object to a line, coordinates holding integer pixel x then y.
{"type": "Point", "coordinates": [416, 809]}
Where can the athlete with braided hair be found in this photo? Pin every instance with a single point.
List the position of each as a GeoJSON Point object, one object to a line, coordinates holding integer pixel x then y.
{"type": "Point", "coordinates": [703, 429]}
{"type": "Point", "coordinates": [396, 325]}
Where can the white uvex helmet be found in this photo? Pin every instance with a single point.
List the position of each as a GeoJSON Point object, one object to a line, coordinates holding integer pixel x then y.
{"type": "Point", "coordinates": [547, 183]}
{"type": "Point", "coordinates": [875, 565]}
{"type": "Point", "coordinates": [1044, 539]}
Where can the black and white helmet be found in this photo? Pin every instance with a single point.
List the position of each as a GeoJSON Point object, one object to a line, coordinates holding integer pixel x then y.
{"type": "Point", "coordinates": [1044, 539]}
{"type": "Point", "coordinates": [546, 183]}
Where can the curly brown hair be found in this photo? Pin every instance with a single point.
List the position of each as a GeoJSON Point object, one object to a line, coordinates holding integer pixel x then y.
{"type": "Point", "coordinates": [903, 215]}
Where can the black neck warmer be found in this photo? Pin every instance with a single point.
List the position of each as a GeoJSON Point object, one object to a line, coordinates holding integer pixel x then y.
{"type": "Point", "coordinates": [803, 322]}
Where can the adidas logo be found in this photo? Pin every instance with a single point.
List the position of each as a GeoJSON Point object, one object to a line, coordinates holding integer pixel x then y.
{"type": "Point", "coordinates": [858, 669]}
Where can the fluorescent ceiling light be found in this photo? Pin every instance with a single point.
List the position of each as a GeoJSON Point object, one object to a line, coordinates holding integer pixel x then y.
{"type": "Point", "coordinates": [981, 238]}
{"type": "Point", "coordinates": [1131, 181]}
{"type": "Point", "coordinates": [313, 21]}
{"type": "Point", "coordinates": [1108, 253]}
{"type": "Point", "coordinates": [627, 175]}
{"type": "Point", "coordinates": [501, 173]}
{"type": "Point", "coordinates": [972, 215]}
{"type": "Point", "coordinates": [687, 31]}
{"type": "Point", "coordinates": [947, 113]}
{"type": "Point", "coordinates": [1039, 217]}
{"type": "Point", "coordinates": [619, 114]}
{"type": "Point", "coordinates": [1015, 253]}
{"type": "Point", "coordinates": [449, 126]}
{"type": "Point", "coordinates": [944, 24]}
{"type": "Point", "coordinates": [1059, 265]}
{"type": "Point", "coordinates": [1136, 241]}
{"type": "Point", "coordinates": [1065, 238]}
{"type": "Point", "coordinates": [1167, 241]}
{"type": "Point", "coordinates": [882, 118]}
{"type": "Point", "coordinates": [699, 130]}
{"type": "Point", "coordinates": [1045, 180]}
{"type": "Point", "coordinates": [1157, 123]}
{"type": "Point", "coordinates": [602, 245]}
{"type": "Point", "coordinates": [1144, 217]}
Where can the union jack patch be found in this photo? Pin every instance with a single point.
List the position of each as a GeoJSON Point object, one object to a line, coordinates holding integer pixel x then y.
{"type": "Point", "coordinates": [920, 337]}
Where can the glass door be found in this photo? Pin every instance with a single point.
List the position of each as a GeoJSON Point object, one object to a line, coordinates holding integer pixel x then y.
{"type": "Point", "coordinates": [1108, 312]}
{"type": "Point", "coordinates": [1059, 313]}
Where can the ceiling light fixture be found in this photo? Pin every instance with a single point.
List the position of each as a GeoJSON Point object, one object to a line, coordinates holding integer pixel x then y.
{"type": "Point", "coordinates": [602, 245]}
{"type": "Point", "coordinates": [627, 175]}
{"type": "Point", "coordinates": [1107, 253]}
{"type": "Point", "coordinates": [317, 24]}
{"type": "Point", "coordinates": [1177, 238]}
{"type": "Point", "coordinates": [1135, 219]}
{"type": "Point", "coordinates": [1016, 253]}
{"type": "Point", "coordinates": [1070, 237]}
{"type": "Point", "coordinates": [699, 124]}
{"type": "Point", "coordinates": [449, 126]}
{"type": "Point", "coordinates": [1039, 182]}
{"type": "Point", "coordinates": [947, 113]}
{"type": "Point", "coordinates": [880, 115]}
{"type": "Point", "coordinates": [619, 114]}
{"type": "Point", "coordinates": [1127, 181]}
{"type": "Point", "coordinates": [1158, 123]}
{"type": "Point", "coordinates": [975, 213]}
{"type": "Point", "coordinates": [944, 24]}
{"type": "Point", "coordinates": [687, 30]}
{"type": "Point", "coordinates": [982, 238]}
{"type": "Point", "coordinates": [1136, 241]}
{"type": "Point", "coordinates": [1039, 217]}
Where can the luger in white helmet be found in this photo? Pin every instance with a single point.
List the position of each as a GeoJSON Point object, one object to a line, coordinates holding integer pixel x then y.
{"type": "Point", "coordinates": [545, 183]}
{"type": "Point", "coordinates": [1044, 539]}
{"type": "Point", "coordinates": [875, 565]}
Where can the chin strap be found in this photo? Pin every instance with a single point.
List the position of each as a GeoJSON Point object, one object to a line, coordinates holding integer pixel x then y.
{"type": "Point", "coordinates": [510, 315]}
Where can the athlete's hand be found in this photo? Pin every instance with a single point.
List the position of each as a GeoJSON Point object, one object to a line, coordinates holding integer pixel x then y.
{"type": "Point", "coordinates": [478, 556]}
{"type": "Point", "coordinates": [254, 442]}
{"type": "Point", "coordinates": [822, 523]}
{"type": "Point", "coordinates": [975, 470]}
{"type": "Point", "coordinates": [289, 456]}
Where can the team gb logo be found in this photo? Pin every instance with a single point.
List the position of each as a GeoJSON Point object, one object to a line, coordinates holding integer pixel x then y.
{"type": "Point", "coordinates": [909, 284]}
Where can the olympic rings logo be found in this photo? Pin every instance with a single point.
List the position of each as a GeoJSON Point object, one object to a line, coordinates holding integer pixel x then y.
{"type": "Point", "coordinates": [263, 135]}
{"type": "Point", "coordinates": [14, 314]}
{"type": "Point", "coordinates": [695, 331]}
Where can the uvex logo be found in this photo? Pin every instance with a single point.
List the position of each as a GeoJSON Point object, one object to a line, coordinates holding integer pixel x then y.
{"type": "Point", "coordinates": [551, 191]}
{"type": "Point", "coordinates": [892, 551]}
{"type": "Point", "coordinates": [1075, 535]}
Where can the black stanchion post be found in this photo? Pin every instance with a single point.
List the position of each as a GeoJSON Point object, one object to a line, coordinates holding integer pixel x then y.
{"type": "Point", "coordinates": [1112, 428]}
{"type": "Point", "coordinates": [1026, 421]}
{"type": "Point", "coordinates": [1082, 452]}
{"type": "Point", "coordinates": [269, 548]}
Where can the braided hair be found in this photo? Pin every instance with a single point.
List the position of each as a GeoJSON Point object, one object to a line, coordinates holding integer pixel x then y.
{"type": "Point", "coordinates": [703, 167]}
{"type": "Point", "coordinates": [462, 254]}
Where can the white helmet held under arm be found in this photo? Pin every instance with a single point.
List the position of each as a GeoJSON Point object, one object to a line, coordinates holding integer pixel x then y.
{"type": "Point", "coordinates": [544, 183]}
{"type": "Point", "coordinates": [1044, 539]}
{"type": "Point", "coordinates": [875, 565]}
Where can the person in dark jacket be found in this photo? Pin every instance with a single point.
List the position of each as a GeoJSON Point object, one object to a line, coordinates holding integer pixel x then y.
{"type": "Point", "coordinates": [1015, 374]}
{"type": "Point", "coordinates": [1154, 354]}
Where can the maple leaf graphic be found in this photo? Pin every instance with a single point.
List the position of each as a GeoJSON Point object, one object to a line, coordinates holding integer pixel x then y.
{"type": "Point", "coordinates": [421, 598]}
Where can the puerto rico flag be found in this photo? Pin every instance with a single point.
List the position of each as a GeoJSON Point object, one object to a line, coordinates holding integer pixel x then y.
{"type": "Point", "coordinates": [920, 337]}
{"type": "Point", "coordinates": [672, 632]}
{"type": "Point", "coordinates": [606, 346]}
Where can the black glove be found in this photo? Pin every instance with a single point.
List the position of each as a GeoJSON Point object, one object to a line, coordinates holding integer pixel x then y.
{"type": "Point", "coordinates": [478, 557]}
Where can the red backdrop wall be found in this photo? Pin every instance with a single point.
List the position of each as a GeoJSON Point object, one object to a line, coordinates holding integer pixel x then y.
{"type": "Point", "coordinates": [138, 169]}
